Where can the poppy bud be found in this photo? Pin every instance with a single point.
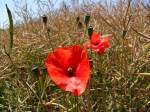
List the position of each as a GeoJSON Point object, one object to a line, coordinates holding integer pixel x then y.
{"type": "Point", "coordinates": [44, 19]}
{"type": "Point", "coordinates": [79, 25]}
{"type": "Point", "coordinates": [124, 33]}
{"type": "Point", "coordinates": [90, 31]}
{"type": "Point", "coordinates": [77, 19]}
{"type": "Point", "coordinates": [86, 19]}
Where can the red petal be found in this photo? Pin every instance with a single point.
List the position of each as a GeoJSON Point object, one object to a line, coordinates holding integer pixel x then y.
{"type": "Point", "coordinates": [87, 44]}
{"type": "Point", "coordinates": [101, 50]}
{"type": "Point", "coordinates": [76, 56]}
{"type": "Point", "coordinates": [83, 73]}
{"type": "Point", "coordinates": [95, 39]}
{"type": "Point", "coordinates": [57, 74]}
{"type": "Point", "coordinates": [60, 58]}
{"type": "Point", "coordinates": [105, 43]}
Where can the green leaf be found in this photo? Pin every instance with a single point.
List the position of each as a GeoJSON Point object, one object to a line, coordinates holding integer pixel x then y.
{"type": "Point", "coordinates": [11, 28]}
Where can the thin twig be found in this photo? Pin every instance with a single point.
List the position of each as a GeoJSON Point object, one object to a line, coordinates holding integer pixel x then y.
{"type": "Point", "coordinates": [141, 34]}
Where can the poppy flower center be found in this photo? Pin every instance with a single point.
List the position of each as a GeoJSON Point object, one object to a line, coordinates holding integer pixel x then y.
{"type": "Point", "coordinates": [70, 72]}
{"type": "Point", "coordinates": [97, 43]}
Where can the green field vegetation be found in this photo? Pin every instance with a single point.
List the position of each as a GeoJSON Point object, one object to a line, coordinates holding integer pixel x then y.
{"type": "Point", "coordinates": [120, 79]}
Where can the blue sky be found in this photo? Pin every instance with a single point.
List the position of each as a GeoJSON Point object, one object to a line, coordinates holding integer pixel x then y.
{"type": "Point", "coordinates": [10, 3]}
{"type": "Point", "coordinates": [32, 6]}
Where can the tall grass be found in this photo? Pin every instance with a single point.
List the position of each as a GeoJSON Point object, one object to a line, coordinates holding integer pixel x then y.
{"type": "Point", "coordinates": [120, 78]}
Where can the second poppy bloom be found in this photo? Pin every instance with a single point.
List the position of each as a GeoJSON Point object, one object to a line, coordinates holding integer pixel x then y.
{"type": "Point", "coordinates": [69, 68]}
{"type": "Point", "coordinates": [98, 45]}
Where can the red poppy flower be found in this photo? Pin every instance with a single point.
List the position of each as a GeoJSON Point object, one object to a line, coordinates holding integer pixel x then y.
{"type": "Point", "coordinates": [98, 45]}
{"type": "Point", "coordinates": [69, 68]}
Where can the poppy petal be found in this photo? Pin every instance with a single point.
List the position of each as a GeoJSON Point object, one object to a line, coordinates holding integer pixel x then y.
{"type": "Point", "coordinates": [95, 39]}
{"type": "Point", "coordinates": [87, 44]}
{"type": "Point", "coordinates": [105, 42]}
{"type": "Point", "coordinates": [60, 58]}
{"type": "Point", "coordinates": [83, 72]}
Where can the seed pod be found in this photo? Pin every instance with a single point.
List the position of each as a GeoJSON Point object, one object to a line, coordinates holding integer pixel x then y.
{"type": "Point", "coordinates": [86, 19]}
{"type": "Point", "coordinates": [77, 19]}
{"type": "Point", "coordinates": [79, 25]}
{"type": "Point", "coordinates": [90, 31]}
{"type": "Point", "coordinates": [44, 19]}
{"type": "Point", "coordinates": [124, 33]}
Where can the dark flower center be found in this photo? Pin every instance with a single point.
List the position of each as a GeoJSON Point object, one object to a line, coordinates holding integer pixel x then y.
{"type": "Point", "coordinates": [70, 72]}
{"type": "Point", "coordinates": [96, 43]}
